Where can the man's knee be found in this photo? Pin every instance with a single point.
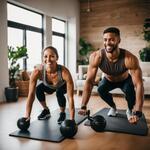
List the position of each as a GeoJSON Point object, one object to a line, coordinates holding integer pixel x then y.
{"type": "Point", "coordinates": [129, 91]}
{"type": "Point", "coordinates": [101, 90]}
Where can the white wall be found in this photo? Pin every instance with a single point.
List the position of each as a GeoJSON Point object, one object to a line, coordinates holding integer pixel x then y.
{"type": "Point", "coordinates": [67, 10]}
{"type": "Point", "coordinates": [47, 30]}
{"type": "Point", "coordinates": [3, 49]}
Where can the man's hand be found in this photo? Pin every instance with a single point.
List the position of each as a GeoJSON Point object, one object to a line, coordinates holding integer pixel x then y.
{"type": "Point", "coordinates": [133, 119]}
{"type": "Point", "coordinates": [83, 111]}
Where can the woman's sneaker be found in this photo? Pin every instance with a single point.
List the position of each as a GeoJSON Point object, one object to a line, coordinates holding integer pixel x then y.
{"type": "Point", "coordinates": [61, 118]}
{"type": "Point", "coordinates": [45, 114]}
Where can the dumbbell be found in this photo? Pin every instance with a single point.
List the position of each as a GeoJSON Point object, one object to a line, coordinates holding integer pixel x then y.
{"type": "Point", "coordinates": [98, 123]}
{"type": "Point", "coordinates": [68, 128]}
{"type": "Point", "coordinates": [23, 123]}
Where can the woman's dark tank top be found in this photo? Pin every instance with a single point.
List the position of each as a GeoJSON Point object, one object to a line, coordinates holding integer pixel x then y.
{"type": "Point", "coordinates": [60, 82]}
{"type": "Point", "coordinates": [113, 68]}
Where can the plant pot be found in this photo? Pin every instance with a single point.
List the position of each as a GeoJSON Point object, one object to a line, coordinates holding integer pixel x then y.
{"type": "Point", "coordinates": [11, 94]}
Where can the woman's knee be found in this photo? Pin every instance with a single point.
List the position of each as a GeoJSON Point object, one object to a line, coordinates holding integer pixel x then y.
{"type": "Point", "coordinates": [61, 100]}
{"type": "Point", "coordinates": [40, 93]}
{"type": "Point", "coordinates": [60, 93]}
{"type": "Point", "coordinates": [39, 89]}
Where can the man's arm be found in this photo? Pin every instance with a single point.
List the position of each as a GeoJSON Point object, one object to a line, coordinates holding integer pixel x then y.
{"type": "Point", "coordinates": [136, 75]}
{"type": "Point", "coordinates": [91, 73]}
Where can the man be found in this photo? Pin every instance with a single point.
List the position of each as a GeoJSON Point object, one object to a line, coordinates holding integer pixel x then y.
{"type": "Point", "coordinates": [121, 70]}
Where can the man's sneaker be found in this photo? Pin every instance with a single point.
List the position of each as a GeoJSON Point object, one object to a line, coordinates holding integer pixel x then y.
{"type": "Point", "coordinates": [128, 113]}
{"type": "Point", "coordinates": [44, 114]}
{"type": "Point", "coordinates": [112, 112]}
{"type": "Point", "coordinates": [61, 118]}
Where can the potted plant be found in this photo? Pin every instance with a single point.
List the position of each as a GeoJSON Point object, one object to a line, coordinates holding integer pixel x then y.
{"type": "Point", "coordinates": [14, 55]}
{"type": "Point", "coordinates": [84, 51]}
{"type": "Point", "coordinates": [145, 52]}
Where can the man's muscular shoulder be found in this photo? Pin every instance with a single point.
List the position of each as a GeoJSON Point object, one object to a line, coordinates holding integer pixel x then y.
{"type": "Point", "coordinates": [95, 58]}
{"type": "Point", "coordinates": [131, 60]}
{"type": "Point", "coordinates": [96, 53]}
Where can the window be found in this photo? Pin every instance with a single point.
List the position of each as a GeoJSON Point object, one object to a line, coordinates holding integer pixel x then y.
{"type": "Point", "coordinates": [22, 30]}
{"type": "Point", "coordinates": [58, 38]}
{"type": "Point", "coordinates": [25, 16]}
{"type": "Point", "coordinates": [58, 25]}
{"type": "Point", "coordinates": [15, 40]}
{"type": "Point", "coordinates": [34, 45]}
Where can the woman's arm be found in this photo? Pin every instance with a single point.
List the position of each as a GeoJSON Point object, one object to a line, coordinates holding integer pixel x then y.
{"type": "Point", "coordinates": [70, 91]}
{"type": "Point", "coordinates": [31, 95]}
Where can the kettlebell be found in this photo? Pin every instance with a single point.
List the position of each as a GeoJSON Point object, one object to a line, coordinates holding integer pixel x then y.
{"type": "Point", "coordinates": [68, 128]}
{"type": "Point", "coordinates": [98, 123]}
{"type": "Point", "coordinates": [23, 124]}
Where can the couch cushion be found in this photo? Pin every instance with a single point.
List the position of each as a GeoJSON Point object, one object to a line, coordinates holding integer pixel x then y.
{"type": "Point", "coordinates": [145, 66]}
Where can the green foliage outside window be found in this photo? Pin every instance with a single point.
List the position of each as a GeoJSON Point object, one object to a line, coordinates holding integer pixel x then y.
{"type": "Point", "coordinates": [14, 54]}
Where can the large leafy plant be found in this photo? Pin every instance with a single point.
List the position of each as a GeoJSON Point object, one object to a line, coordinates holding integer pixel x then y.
{"type": "Point", "coordinates": [145, 52]}
{"type": "Point", "coordinates": [84, 51]}
{"type": "Point", "coordinates": [14, 54]}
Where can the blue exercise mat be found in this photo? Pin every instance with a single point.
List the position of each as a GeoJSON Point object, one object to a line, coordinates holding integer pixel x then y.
{"type": "Point", "coordinates": [121, 124]}
{"type": "Point", "coordinates": [47, 130]}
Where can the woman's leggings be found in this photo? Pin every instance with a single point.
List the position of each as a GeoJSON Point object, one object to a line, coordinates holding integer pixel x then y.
{"type": "Point", "coordinates": [105, 86]}
{"type": "Point", "coordinates": [41, 89]}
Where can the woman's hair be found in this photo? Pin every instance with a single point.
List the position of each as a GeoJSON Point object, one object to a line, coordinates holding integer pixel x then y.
{"type": "Point", "coordinates": [53, 49]}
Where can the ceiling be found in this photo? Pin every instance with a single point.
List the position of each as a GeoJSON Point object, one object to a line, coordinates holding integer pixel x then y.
{"type": "Point", "coordinates": [85, 1]}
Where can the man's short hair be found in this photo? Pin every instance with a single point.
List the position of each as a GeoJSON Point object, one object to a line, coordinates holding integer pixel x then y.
{"type": "Point", "coordinates": [112, 30]}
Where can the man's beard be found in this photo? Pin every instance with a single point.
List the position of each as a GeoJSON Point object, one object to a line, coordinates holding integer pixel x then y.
{"type": "Point", "coordinates": [111, 48]}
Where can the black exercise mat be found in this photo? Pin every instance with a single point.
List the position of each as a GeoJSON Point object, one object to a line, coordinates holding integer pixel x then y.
{"type": "Point", "coordinates": [47, 130]}
{"type": "Point", "coordinates": [121, 124]}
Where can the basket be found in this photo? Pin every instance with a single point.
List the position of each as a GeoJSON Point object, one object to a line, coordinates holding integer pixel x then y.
{"type": "Point", "coordinates": [23, 88]}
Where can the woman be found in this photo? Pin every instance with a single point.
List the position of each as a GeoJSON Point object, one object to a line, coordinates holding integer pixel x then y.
{"type": "Point", "coordinates": [55, 78]}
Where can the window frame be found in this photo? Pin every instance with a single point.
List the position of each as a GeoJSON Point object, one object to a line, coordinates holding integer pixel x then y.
{"type": "Point", "coordinates": [63, 35]}
{"type": "Point", "coordinates": [25, 28]}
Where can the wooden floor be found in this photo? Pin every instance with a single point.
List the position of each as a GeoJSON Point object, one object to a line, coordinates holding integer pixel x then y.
{"type": "Point", "coordinates": [85, 139]}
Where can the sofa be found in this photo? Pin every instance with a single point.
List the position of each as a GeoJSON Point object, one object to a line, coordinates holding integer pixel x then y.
{"type": "Point", "coordinates": [82, 72]}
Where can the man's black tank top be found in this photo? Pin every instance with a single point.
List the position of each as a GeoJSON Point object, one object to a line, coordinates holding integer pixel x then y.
{"type": "Point", "coordinates": [113, 68]}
